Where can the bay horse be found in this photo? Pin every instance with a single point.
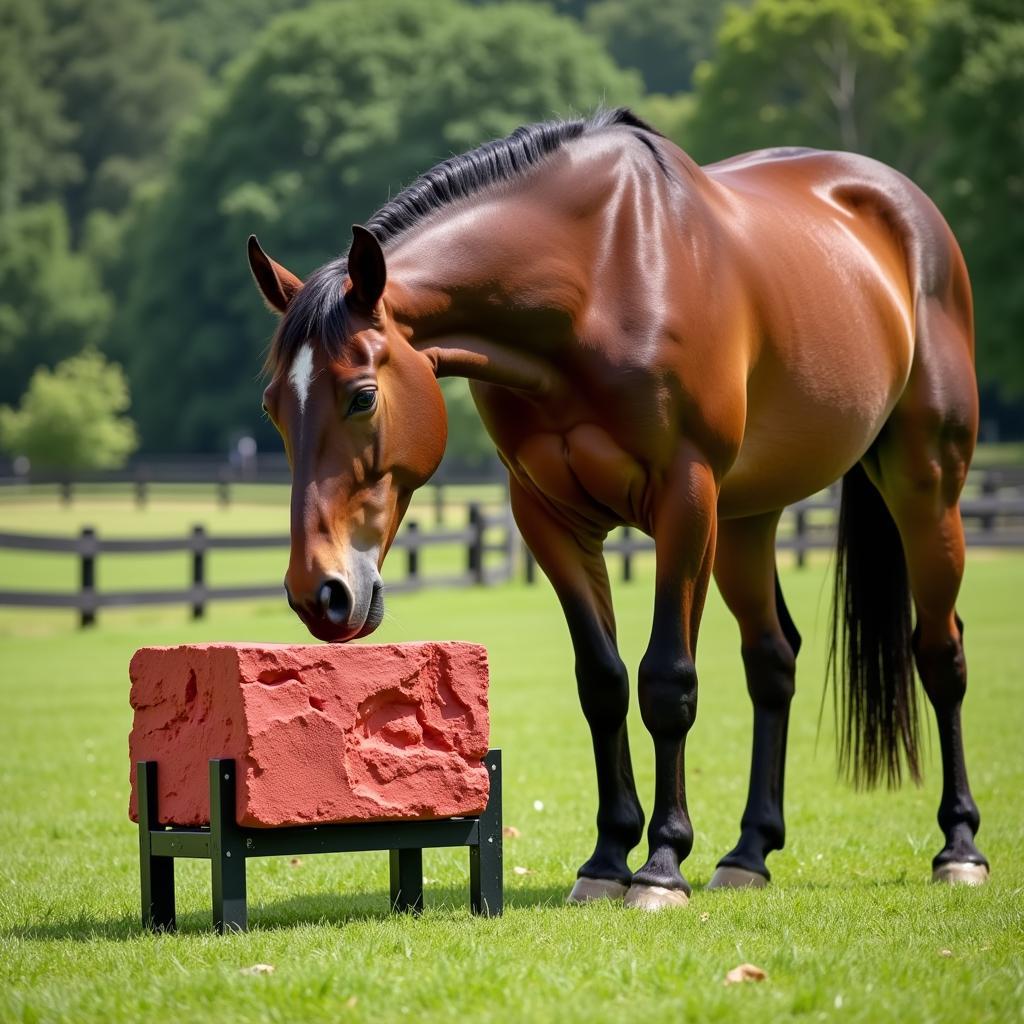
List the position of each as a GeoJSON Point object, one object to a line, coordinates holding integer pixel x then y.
{"type": "Point", "coordinates": [685, 350]}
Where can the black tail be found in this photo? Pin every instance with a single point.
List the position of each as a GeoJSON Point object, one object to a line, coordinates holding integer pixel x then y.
{"type": "Point", "coordinates": [870, 659]}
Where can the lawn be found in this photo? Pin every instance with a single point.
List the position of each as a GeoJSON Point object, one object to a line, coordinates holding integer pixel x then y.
{"type": "Point", "coordinates": [849, 930]}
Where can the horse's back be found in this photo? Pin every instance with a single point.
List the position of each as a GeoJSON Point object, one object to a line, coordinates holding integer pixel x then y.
{"type": "Point", "coordinates": [856, 186]}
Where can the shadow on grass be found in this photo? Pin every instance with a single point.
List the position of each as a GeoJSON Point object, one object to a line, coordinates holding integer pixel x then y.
{"type": "Point", "coordinates": [320, 909]}
{"type": "Point", "coordinates": [340, 909]}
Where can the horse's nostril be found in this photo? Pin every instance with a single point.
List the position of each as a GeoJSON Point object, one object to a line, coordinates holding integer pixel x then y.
{"type": "Point", "coordinates": [335, 602]}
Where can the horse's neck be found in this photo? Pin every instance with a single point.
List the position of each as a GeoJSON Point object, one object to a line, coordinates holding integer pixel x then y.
{"type": "Point", "coordinates": [496, 288]}
{"type": "Point", "coordinates": [472, 293]}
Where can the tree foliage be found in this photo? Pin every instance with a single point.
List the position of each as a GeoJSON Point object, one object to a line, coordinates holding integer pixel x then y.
{"type": "Point", "coordinates": [72, 417]}
{"type": "Point", "coordinates": [834, 74]}
{"type": "Point", "coordinates": [316, 127]}
{"type": "Point", "coordinates": [663, 41]}
{"type": "Point", "coordinates": [51, 302]}
{"type": "Point", "coordinates": [973, 69]}
{"type": "Point", "coordinates": [124, 85]}
{"type": "Point", "coordinates": [37, 157]}
{"type": "Point", "coordinates": [214, 32]}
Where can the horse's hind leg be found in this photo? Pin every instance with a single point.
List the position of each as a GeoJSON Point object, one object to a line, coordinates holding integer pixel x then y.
{"type": "Point", "coordinates": [919, 464]}
{"type": "Point", "coordinates": [746, 577]}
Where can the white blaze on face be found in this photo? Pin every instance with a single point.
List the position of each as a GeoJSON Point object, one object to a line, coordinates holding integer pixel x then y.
{"type": "Point", "coordinates": [300, 376]}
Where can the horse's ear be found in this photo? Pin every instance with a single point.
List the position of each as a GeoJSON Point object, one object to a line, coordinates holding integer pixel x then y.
{"type": "Point", "coordinates": [366, 268]}
{"type": "Point", "coordinates": [277, 285]}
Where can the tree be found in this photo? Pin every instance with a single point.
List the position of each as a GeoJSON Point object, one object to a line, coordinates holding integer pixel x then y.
{"type": "Point", "coordinates": [51, 302]}
{"type": "Point", "coordinates": [836, 74]}
{"type": "Point", "coordinates": [71, 418]}
{"type": "Point", "coordinates": [124, 85]}
{"type": "Point", "coordinates": [36, 155]}
{"type": "Point", "coordinates": [215, 32]}
{"type": "Point", "coordinates": [335, 108]}
{"type": "Point", "coordinates": [663, 41]}
{"type": "Point", "coordinates": [973, 68]}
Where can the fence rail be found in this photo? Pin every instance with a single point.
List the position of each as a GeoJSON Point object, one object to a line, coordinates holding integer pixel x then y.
{"type": "Point", "coordinates": [994, 520]}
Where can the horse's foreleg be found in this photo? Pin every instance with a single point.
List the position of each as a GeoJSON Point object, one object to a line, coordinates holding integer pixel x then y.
{"type": "Point", "coordinates": [574, 563]}
{"type": "Point", "coordinates": [684, 537]}
{"type": "Point", "coordinates": [746, 577]}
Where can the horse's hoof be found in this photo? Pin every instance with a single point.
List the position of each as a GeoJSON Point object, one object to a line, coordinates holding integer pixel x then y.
{"type": "Point", "coordinates": [586, 890]}
{"type": "Point", "coordinates": [726, 877]}
{"type": "Point", "coordinates": [654, 897]}
{"type": "Point", "coordinates": [960, 874]}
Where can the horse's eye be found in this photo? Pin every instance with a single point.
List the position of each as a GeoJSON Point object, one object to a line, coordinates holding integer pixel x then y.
{"type": "Point", "coordinates": [363, 401]}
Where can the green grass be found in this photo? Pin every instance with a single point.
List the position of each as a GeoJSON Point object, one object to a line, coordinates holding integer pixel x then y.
{"type": "Point", "coordinates": [849, 930]}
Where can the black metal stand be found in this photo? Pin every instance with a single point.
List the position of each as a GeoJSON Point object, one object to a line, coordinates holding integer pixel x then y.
{"type": "Point", "coordinates": [227, 846]}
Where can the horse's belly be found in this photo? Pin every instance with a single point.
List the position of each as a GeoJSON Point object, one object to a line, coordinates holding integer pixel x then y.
{"type": "Point", "coordinates": [805, 429]}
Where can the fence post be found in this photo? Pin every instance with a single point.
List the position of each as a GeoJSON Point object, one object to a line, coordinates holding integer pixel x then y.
{"type": "Point", "coordinates": [140, 490]}
{"type": "Point", "coordinates": [198, 572]}
{"type": "Point", "coordinates": [88, 549]}
{"type": "Point", "coordinates": [439, 504]}
{"type": "Point", "coordinates": [475, 547]}
{"type": "Point", "coordinates": [412, 533]}
{"type": "Point", "coordinates": [989, 487]}
{"type": "Point", "coordinates": [224, 488]}
{"type": "Point", "coordinates": [627, 556]}
{"type": "Point", "coordinates": [513, 542]}
{"type": "Point", "coordinates": [800, 531]}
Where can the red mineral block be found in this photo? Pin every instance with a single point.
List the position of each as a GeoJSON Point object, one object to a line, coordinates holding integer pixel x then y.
{"type": "Point", "coordinates": [319, 733]}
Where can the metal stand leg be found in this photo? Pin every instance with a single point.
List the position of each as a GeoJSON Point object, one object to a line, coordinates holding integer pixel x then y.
{"type": "Point", "coordinates": [157, 873]}
{"type": "Point", "coordinates": [485, 867]}
{"type": "Point", "coordinates": [227, 850]}
{"type": "Point", "coordinates": [407, 880]}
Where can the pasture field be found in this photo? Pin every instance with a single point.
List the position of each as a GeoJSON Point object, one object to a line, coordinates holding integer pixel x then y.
{"type": "Point", "coordinates": [850, 930]}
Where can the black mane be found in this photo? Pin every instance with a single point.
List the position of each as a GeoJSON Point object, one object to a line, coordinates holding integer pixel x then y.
{"type": "Point", "coordinates": [318, 311]}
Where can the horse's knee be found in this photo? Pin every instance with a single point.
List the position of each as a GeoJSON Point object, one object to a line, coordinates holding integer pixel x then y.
{"type": "Point", "coordinates": [770, 665]}
{"type": "Point", "coordinates": [603, 686]}
{"type": "Point", "coordinates": [668, 695]}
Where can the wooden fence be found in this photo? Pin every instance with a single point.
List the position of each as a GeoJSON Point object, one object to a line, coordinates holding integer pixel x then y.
{"type": "Point", "coordinates": [476, 538]}
{"type": "Point", "coordinates": [992, 521]}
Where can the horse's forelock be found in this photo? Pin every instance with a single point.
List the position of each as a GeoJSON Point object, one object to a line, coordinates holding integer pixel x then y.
{"type": "Point", "coordinates": [317, 314]}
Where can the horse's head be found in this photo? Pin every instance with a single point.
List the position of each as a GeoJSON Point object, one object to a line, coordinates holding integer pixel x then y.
{"type": "Point", "coordinates": [363, 423]}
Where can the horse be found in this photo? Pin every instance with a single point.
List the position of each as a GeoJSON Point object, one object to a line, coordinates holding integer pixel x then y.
{"type": "Point", "coordinates": [685, 350]}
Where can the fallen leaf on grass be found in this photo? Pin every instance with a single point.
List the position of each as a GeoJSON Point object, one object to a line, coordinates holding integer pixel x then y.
{"type": "Point", "coordinates": [744, 972]}
{"type": "Point", "coordinates": [258, 969]}
{"type": "Point", "coordinates": [520, 870]}
{"type": "Point", "coordinates": [511, 832]}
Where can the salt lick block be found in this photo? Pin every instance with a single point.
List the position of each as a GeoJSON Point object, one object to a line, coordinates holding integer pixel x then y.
{"type": "Point", "coordinates": [319, 733]}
